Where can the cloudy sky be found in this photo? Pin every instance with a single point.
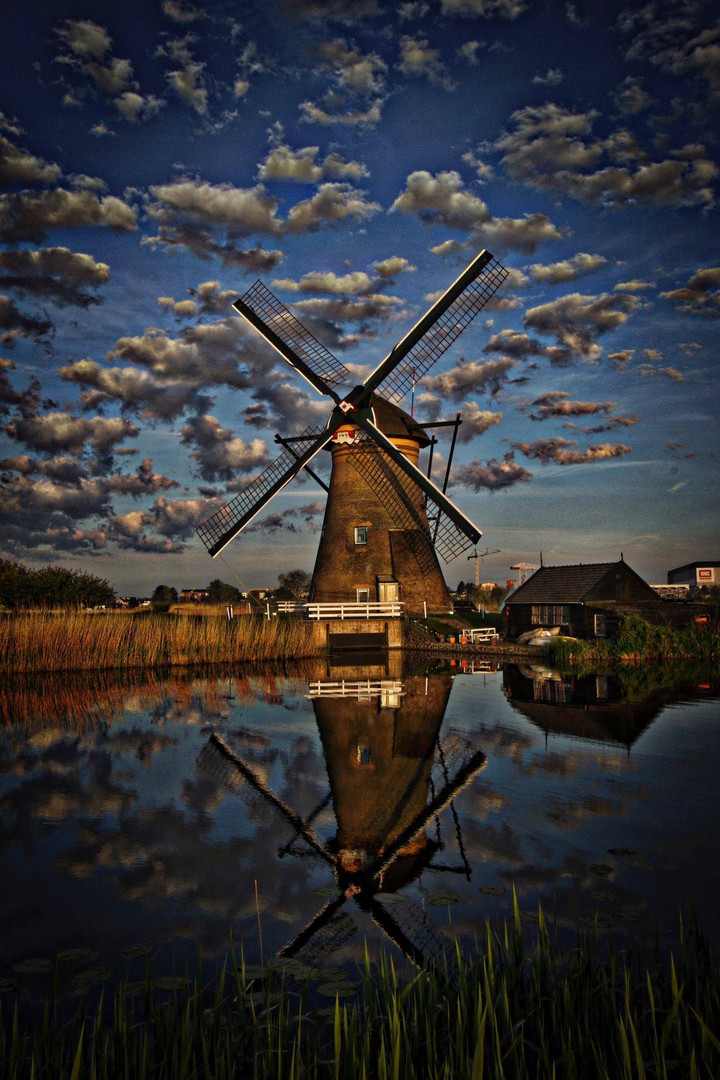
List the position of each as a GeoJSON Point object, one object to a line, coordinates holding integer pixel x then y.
{"type": "Point", "coordinates": [157, 157]}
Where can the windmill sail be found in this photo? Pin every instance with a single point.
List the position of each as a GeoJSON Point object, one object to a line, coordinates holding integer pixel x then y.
{"type": "Point", "coordinates": [291, 339]}
{"type": "Point", "coordinates": [392, 486]}
{"type": "Point", "coordinates": [219, 529]}
{"type": "Point", "coordinates": [463, 525]}
{"type": "Point", "coordinates": [439, 328]}
{"type": "Point", "coordinates": [411, 358]}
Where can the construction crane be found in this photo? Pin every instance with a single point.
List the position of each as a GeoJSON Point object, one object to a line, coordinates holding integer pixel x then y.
{"type": "Point", "coordinates": [526, 569]}
{"type": "Point", "coordinates": [477, 556]}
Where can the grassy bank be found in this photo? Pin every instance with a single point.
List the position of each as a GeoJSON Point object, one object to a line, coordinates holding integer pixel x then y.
{"type": "Point", "coordinates": [639, 641]}
{"type": "Point", "coordinates": [78, 641]}
{"type": "Point", "coordinates": [513, 1010]}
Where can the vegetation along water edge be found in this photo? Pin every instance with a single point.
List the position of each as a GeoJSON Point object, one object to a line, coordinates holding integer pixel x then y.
{"type": "Point", "coordinates": [517, 1007]}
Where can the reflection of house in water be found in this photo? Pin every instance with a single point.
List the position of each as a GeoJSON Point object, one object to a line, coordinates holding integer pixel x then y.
{"type": "Point", "coordinates": [391, 775]}
{"type": "Point", "coordinates": [585, 706]}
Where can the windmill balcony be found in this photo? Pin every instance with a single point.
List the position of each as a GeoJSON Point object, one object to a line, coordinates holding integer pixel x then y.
{"type": "Point", "coordinates": [375, 609]}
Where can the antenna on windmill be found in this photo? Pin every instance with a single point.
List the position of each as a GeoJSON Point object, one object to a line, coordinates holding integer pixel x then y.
{"type": "Point", "coordinates": [385, 460]}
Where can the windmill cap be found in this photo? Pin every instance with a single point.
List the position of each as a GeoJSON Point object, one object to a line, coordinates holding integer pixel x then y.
{"type": "Point", "coordinates": [396, 423]}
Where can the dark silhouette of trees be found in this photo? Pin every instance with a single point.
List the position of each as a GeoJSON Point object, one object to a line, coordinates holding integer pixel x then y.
{"type": "Point", "coordinates": [163, 597]}
{"type": "Point", "coordinates": [218, 592]}
{"type": "Point", "coordinates": [53, 586]}
{"type": "Point", "coordinates": [296, 583]}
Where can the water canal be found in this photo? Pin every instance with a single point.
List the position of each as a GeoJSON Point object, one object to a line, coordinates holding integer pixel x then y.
{"type": "Point", "coordinates": [309, 814]}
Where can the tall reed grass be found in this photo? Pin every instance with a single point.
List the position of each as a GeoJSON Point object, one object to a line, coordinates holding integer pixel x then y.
{"type": "Point", "coordinates": [513, 1011]}
{"type": "Point", "coordinates": [639, 640]}
{"type": "Point", "coordinates": [78, 641]}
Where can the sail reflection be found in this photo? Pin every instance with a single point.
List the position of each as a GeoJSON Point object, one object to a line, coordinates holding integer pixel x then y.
{"type": "Point", "coordinates": [392, 773]}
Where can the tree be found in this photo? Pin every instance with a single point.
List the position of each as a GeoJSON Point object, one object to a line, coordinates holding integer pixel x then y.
{"type": "Point", "coordinates": [53, 586]}
{"type": "Point", "coordinates": [296, 582]}
{"type": "Point", "coordinates": [163, 597]}
{"type": "Point", "coordinates": [218, 592]}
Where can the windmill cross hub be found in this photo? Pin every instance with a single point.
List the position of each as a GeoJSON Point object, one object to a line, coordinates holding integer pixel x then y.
{"type": "Point", "coordinates": [353, 420]}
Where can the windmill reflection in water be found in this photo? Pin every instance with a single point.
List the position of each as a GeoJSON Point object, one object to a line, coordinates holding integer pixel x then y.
{"type": "Point", "coordinates": [391, 776]}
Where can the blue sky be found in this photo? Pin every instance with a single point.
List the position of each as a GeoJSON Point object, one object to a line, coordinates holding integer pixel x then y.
{"type": "Point", "coordinates": [156, 158]}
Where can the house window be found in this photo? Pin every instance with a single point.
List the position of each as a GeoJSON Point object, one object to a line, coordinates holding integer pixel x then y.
{"type": "Point", "coordinates": [361, 534]}
{"type": "Point", "coordinates": [599, 625]}
{"type": "Point", "coordinates": [363, 596]}
{"type": "Point", "coordinates": [363, 755]}
{"type": "Point", "coordinates": [550, 614]}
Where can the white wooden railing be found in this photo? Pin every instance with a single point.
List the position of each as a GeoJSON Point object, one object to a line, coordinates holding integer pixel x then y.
{"type": "Point", "coordinates": [288, 606]}
{"type": "Point", "coordinates": [376, 609]}
{"type": "Point", "coordinates": [355, 688]}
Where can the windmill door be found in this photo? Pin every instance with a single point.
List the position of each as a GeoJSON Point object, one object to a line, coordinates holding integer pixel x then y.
{"type": "Point", "coordinates": [388, 591]}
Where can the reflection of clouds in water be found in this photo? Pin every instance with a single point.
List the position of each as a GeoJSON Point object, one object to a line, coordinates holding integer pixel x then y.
{"type": "Point", "coordinates": [572, 763]}
{"type": "Point", "coordinates": [162, 854]}
{"type": "Point", "coordinates": [571, 813]}
{"type": "Point", "coordinates": [502, 742]}
{"type": "Point", "coordinates": [86, 793]}
{"type": "Point", "coordinates": [481, 802]}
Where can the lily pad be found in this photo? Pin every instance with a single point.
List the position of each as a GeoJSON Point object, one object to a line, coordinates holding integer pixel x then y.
{"type": "Point", "coordinates": [135, 989]}
{"type": "Point", "coordinates": [602, 894]}
{"type": "Point", "coordinates": [389, 897]}
{"type": "Point", "coordinates": [442, 899]}
{"type": "Point", "coordinates": [83, 979]}
{"type": "Point", "coordinates": [327, 891]}
{"type": "Point", "coordinates": [339, 989]}
{"type": "Point", "coordinates": [34, 965]}
{"type": "Point", "coordinates": [73, 956]}
{"type": "Point", "coordinates": [133, 951]}
{"type": "Point", "coordinates": [287, 965]}
{"type": "Point", "coordinates": [622, 851]}
{"type": "Point", "coordinates": [171, 982]}
{"type": "Point", "coordinates": [253, 971]}
{"type": "Point", "coordinates": [603, 921]}
{"type": "Point", "coordinates": [493, 890]}
{"type": "Point", "coordinates": [6, 985]}
{"type": "Point", "coordinates": [259, 997]}
{"type": "Point", "coordinates": [601, 868]}
{"type": "Point", "coordinates": [529, 916]}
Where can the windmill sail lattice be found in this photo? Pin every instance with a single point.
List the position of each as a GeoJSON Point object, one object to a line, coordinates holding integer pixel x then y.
{"type": "Point", "coordinates": [444, 332]}
{"type": "Point", "coordinates": [407, 362]}
{"type": "Point", "coordinates": [390, 484]}
{"type": "Point", "coordinates": [217, 530]}
{"type": "Point", "coordinates": [260, 306]}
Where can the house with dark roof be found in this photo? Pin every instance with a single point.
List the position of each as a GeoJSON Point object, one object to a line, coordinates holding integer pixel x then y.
{"type": "Point", "coordinates": [585, 601]}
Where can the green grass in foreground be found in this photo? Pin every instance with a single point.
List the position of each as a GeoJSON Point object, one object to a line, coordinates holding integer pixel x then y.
{"type": "Point", "coordinates": [516, 1011]}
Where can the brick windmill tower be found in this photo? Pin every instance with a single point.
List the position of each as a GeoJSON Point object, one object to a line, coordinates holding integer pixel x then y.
{"type": "Point", "coordinates": [385, 519]}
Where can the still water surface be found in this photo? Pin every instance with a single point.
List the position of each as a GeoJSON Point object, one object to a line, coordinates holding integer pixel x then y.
{"type": "Point", "coordinates": [284, 810]}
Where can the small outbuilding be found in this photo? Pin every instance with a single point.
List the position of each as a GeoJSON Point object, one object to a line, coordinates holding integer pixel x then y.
{"type": "Point", "coordinates": [586, 600]}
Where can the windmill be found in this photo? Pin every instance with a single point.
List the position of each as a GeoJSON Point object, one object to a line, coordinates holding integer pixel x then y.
{"type": "Point", "coordinates": [377, 541]}
{"type": "Point", "coordinates": [381, 843]}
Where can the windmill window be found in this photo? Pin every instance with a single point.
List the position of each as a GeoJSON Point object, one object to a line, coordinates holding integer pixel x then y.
{"type": "Point", "coordinates": [361, 534]}
{"type": "Point", "coordinates": [363, 596]}
{"type": "Point", "coordinates": [363, 755]}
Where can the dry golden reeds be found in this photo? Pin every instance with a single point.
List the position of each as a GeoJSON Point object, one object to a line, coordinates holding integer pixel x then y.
{"type": "Point", "coordinates": [80, 641]}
